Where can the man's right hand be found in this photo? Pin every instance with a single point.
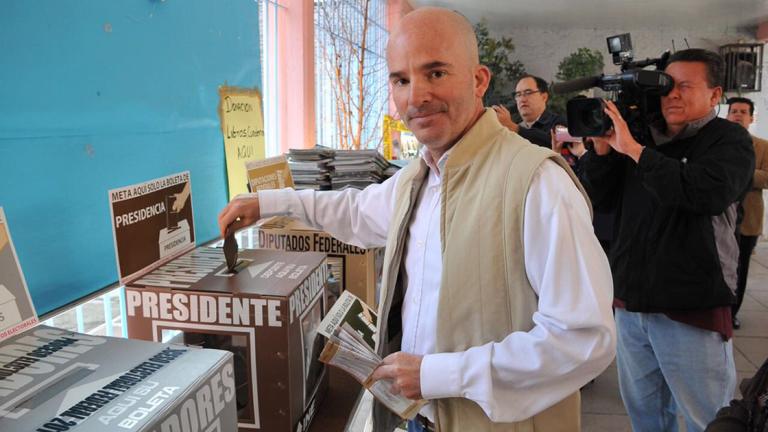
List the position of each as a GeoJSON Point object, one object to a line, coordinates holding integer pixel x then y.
{"type": "Point", "coordinates": [239, 213]}
{"type": "Point", "coordinates": [505, 118]}
{"type": "Point", "coordinates": [619, 137]}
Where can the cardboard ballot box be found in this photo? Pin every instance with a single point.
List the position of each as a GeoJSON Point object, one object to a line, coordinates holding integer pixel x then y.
{"type": "Point", "coordinates": [356, 269]}
{"type": "Point", "coordinates": [55, 380]}
{"type": "Point", "coordinates": [267, 313]}
{"type": "Point", "coordinates": [9, 309]}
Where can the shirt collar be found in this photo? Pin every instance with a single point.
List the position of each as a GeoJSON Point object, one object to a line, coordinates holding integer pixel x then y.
{"type": "Point", "coordinates": [437, 168]}
{"type": "Point", "coordinates": [689, 130]}
{"type": "Point", "coordinates": [542, 117]}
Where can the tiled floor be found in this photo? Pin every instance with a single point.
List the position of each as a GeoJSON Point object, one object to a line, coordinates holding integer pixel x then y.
{"type": "Point", "coordinates": [601, 404]}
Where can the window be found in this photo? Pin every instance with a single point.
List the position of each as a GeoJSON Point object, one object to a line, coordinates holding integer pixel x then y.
{"type": "Point", "coordinates": [351, 92]}
{"type": "Point", "coordinates": [269, 11]}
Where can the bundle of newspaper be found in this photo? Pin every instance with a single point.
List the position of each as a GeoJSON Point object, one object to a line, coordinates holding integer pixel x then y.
{"type": "Point", "coordinates": [391, 170]}
{"type": "Point", "coordinates": [357, 168]}
{"type": "Point", "coordinates": [350, 327]}
{"type": "Point", "coordinates": [309, 167]}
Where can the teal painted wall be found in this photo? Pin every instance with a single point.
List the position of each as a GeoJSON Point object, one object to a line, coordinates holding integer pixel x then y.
{"type": "Point", "coordinates": [96, 95]}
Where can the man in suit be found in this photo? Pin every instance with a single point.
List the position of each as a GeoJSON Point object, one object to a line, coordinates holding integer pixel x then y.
{"type": "Point", "coordinates": [741, 110]}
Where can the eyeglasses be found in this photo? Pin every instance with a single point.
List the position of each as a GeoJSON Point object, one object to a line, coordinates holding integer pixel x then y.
{"type": "Point", "coordinates": [525, 93]}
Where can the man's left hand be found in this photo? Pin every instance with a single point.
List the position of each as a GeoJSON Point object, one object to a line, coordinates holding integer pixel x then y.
{"type": "Point", "coordinates": [619, 137]}
{"type": "Point", "coordinates": [405, 372]}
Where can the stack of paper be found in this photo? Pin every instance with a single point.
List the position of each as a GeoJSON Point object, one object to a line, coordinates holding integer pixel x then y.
{"type": "Point", "coordinates": [394, 167]}
{"type": "Point", "coordinates": [309, 167]}
{"type": "Point", "coordinates": [350, 327]}
{"type": "Point", "coordinates": [357, 168]}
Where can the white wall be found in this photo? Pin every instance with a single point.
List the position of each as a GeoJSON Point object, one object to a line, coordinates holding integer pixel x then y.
{"type": "Point", "coordinates": [760, 126]}
{"type": "Point", "coordinates": [542, 49]}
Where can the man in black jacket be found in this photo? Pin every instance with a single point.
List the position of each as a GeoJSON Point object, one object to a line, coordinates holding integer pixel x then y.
{"type": "Point", "coordinates": [674, 254]}
{"type": "Point", "coordinates": [531, 96]}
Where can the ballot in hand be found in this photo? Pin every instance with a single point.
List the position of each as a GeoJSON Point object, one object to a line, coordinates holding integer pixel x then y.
{"type": "Point", "coordinates": [230, 250]}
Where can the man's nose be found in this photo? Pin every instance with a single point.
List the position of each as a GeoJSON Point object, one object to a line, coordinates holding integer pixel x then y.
{"type": "Point", "coordinates": [420, 92]}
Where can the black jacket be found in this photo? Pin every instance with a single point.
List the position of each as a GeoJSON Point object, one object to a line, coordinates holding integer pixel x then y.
{"type": "Point", "coordinates": [674, 247]}
{"type": "Point", "coordinates": [539, 130]}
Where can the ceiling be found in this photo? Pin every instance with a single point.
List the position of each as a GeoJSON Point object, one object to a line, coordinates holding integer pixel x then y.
{"type": "Point", "coordinates": [502, 14]}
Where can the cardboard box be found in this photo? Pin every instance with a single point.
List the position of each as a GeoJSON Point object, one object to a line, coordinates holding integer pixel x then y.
{"type": "Point", "coordinates": [55, 380]}
{"type": "Point", "coordinates": [357, 270]}
{"type": "Point", "coordinates": [267, 313]}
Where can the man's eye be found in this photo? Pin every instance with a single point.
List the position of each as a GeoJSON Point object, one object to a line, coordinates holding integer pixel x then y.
{"type": "Point", "coordinates": [399, 82]}
{"type": "Point", "coordinates": [438, 74]}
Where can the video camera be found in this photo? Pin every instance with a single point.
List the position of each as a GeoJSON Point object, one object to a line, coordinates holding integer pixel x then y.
{"type": "Point", "coordinates": [636, 91]}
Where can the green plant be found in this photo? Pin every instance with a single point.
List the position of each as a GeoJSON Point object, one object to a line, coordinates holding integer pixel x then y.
{"type": "Point", "coordinates": [495, 53]}
{"type": "Point", "coordinates": [581, 63]}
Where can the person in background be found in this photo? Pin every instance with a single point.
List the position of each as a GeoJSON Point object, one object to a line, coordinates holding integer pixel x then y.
{"type": "Point", "coordinates": [741, 110]}
{"type": "Point", "coordinates": [531, 95]}
{"type": "Point", "coordinates": [495, 302]}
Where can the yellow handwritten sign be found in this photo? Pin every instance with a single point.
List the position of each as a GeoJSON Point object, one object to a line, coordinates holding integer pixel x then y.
{"type": "Point", "coordinates": [242, 124]}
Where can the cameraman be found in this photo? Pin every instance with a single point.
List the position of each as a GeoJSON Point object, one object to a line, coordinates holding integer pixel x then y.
{"type": "Point", "coordinates": [674, 253]}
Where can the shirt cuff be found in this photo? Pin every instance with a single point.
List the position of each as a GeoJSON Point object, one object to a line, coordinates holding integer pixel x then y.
{"type": "Point", "coordinates": [441, 375]}
{"type": "Point", "coordinates": [246, 195]}
{"type": "Point", "coordinates": [272, 202]}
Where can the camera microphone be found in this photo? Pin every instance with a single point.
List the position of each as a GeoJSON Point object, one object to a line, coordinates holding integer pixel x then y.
{"type": "Point", "coordinates": [576, 85]}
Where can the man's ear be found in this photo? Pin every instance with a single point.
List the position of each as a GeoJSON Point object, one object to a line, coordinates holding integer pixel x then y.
{"type": "Point", "coordinates": [545, 96]}
{"type": "Point", "coordinates": [482, 80]}
{"type": "Point", "coordinates": [717, 96]}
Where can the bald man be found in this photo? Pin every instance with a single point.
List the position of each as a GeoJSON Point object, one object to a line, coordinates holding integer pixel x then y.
{"type": "Point", "coordinates": [495, 302]}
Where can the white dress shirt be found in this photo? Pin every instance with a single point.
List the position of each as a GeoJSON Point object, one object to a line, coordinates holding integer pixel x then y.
{"type": "Point", "coordinates": [573, 339]}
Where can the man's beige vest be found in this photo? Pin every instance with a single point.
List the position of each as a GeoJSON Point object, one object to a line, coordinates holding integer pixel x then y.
{"type": "Point", "coordinates": [485, 294]}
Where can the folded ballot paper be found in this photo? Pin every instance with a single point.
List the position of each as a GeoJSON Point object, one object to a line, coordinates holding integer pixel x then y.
{"type": "Point", "coordinates": [350, 327]}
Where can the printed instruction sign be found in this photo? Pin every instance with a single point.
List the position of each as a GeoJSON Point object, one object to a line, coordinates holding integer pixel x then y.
{"type": "Point", "coordinates": [242, 124]}
{"type": "Point", "coordinates": [16, 310]}
{"type": "Point", "coordinates": [272, 173]}
{"type": "Point", "coordinates": [151, 223]}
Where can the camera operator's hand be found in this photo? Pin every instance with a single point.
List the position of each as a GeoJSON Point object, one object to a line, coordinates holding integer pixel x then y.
{"type": "Point", "coordinates": [505, 118]}
{"type": "Point", "coordinates": [619, 138]}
